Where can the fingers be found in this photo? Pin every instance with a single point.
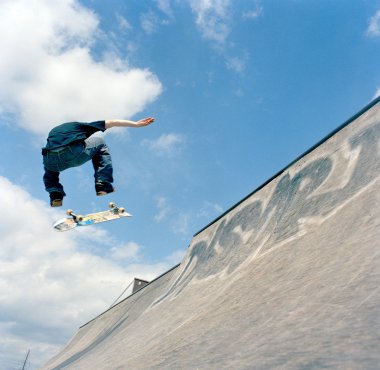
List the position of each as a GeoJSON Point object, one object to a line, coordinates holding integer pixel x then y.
{"type": "Point", "coordinates": [147, 121]}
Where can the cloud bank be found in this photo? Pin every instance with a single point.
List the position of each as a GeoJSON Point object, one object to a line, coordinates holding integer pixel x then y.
{"type": "Point", "coordinates": [49, 72]}
{"type": "Point", "coordinates": [51, 282]}
{"type": "Point", "coordinates": [373, 29]}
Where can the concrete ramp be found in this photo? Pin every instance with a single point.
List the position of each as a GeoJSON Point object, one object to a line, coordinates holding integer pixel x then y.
{"type": "Point", "coordinates": [286, 279]}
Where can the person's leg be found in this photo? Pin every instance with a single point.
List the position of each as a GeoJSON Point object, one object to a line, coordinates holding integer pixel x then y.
{"type": "Point", "coordinates": [102, 162]}
{"type": "Point", "coordinates": [53, 187]}
{"type": "Point", "coordinates": [56, 161]}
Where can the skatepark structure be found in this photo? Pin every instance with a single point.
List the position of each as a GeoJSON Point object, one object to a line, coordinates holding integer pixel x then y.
{"type": "Point", "coordinates": [288, 278]}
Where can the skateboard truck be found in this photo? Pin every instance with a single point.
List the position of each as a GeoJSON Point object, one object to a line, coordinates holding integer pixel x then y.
{"type": "Point", "coordinates": [115, 208]}
{"type": "Point", "coordinates": [76, 218]}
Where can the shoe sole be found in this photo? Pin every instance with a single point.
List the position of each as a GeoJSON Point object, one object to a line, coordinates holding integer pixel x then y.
{"type": "Point", "coordinates": [100, 193]}
{"type": "Point", "coordinates": [56, 203]}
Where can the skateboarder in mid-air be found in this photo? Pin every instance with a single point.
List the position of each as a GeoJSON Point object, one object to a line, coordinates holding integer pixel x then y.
{"type": "Point", "coordinates": [71, 144]}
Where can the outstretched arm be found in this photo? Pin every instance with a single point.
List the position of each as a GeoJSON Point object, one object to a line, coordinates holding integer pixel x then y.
{"type": "Point", "coordinates": [125, 123]}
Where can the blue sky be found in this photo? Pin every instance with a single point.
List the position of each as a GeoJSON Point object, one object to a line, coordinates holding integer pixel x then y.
{"type": "Point", "coordinates": [239, 89]}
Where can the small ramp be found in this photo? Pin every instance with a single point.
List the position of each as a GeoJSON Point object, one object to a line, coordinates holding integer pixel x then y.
{"type": "Point", "coordinates": [286, 279]}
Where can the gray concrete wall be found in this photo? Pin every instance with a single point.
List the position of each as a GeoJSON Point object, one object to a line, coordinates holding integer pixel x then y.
{"type": "Point", "coordinates": [288, 279]}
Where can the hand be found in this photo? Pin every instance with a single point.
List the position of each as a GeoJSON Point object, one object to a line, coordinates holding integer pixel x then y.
{"type": "Point", "coordinates": [145, 121]}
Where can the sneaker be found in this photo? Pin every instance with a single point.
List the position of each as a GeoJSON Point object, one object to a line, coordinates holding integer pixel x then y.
{"type": "Point", "coordinates": [56, 199]}
{"type": "Point", "coordinates": [103, 188]}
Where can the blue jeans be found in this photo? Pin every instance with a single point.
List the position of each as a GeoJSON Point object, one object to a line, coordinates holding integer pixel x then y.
{"type": "Point", "coordinates": [57, 160]}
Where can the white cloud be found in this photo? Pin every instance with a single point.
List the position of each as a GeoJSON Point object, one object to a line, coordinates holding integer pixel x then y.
{"type": "Point", "coordinates": [123, 22]}
{"type": "Point", "coordinates": [373, 29]}
{"type": "Point", "coordinates": [178, 220]}
{"type": "Point", "coordinates": [164, 6]}
{"type": "Point", "coordinates": [209, 209]}
{"type": "Point", "coordinates": [149, 22]}
{"type": "Point", "coordinates": [176, 256]}
{"type": "Point", "coordinates": [212, 19]}
{"type": "Point", "coordinates": [49, 75]}
{"type": "Point", "coordinates": [163, 209]}
{"type": "Point", "coordinates": [53, 282]}
{"type": "Point", "coordinates": [165, 145]}
{"type": "Point", "coordinates": [181, 223]}
{"type": "Point", "coordinates": [129, 251]}
{"type": "Point", "coordinates": [236, 64]}
{"type": "Point", "coordinates": [253, 14]}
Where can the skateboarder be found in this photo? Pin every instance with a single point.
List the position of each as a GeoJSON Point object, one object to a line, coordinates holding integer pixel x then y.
{"type": "Point", "coordinates": [71, 144]}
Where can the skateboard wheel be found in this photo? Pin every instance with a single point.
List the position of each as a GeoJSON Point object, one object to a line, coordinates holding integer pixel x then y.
{"type": "Point", "coordinates": [69, 212]}
{"type": "Point", "coordinates": [79, 218]}
{"type": "Point", "coordinates": [121, 210]}
{"type": "Point", "coordinates": [112, 205]}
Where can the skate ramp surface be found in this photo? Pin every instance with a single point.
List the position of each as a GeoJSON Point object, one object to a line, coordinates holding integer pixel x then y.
{"type": "Point", "coordinates": [286, 279]}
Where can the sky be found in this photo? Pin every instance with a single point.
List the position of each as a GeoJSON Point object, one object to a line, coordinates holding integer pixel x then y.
{"type": "Point", "coordinates": [238, 88]}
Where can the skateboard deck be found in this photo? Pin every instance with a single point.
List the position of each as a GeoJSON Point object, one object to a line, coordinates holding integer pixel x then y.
{"type": "Point", "coordinates": [75, 220]}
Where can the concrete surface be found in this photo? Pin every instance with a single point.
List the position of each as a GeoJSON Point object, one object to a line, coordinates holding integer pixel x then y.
{"type": "Point", "coordinates": [287, 279]}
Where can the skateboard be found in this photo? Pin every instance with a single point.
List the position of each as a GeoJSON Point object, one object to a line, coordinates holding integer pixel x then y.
{"type": "Point", "coordinates": [75, 220]}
